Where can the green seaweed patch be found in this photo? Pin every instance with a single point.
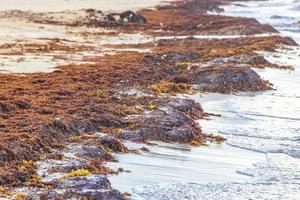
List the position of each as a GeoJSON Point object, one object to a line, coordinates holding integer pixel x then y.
{"type": "Point", "coordinates": [287, 67]}
{"type": "Point", "coordinates": [95, 166]}
{"type": "Point", "coordinates": [218, 139]}
{"type": "Point", "coordinates": [164, 87]}
{"type": "Point", "coordinates": [27, 169]}
{"type": "Point", "coordinates": [20, 196]}
{"type": "Point", "coordinates": [152, 106]}
{"type": "Point", "coordinates": [100, 94]}
{"type": "Point", "coordinates": [36, 181]}
{"type": "Point", "coordinates": [5, 192]}
{"type": "Point", "coordinates": [79, 138]}
{"type": "Point", "coordinates": [198, 143]}
{"type": "Point", "coordinates": [77, 173]}
{"type": "Point", "coordinates": [76, 139]}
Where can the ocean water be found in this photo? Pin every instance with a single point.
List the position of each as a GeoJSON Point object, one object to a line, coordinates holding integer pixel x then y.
{"type": "Point", "coordinates": [282, 14]}
{"type": "Point", "coordinates": [261, 157]}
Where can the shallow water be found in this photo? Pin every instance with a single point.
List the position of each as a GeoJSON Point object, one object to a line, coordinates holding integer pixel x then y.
{"type": "Point", "coordinates": [259, 160]}
{"type": "Point", "coordinates": [262, 129]}
{"type": "Point", "coordinates": [167, 163]}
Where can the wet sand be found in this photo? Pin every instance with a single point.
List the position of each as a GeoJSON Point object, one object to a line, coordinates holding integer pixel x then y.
{"type": "Point", "coordinates": [177, 163]}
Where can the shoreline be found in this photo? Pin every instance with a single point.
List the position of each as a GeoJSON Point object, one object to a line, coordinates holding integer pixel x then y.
{"type": "Point", "coordinates": [69, 105]}
{"type": "Point", "coordinates": [178, 163]}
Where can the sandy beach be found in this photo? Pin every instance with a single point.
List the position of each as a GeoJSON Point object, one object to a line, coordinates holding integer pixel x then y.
{"type": "Point", "coordinates": [148, 100]}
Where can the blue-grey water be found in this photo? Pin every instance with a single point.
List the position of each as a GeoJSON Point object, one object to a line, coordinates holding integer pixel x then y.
{"type": "Point", "coordinates": [261, 157]}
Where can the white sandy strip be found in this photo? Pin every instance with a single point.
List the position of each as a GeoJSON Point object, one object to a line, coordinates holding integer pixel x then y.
{"type": "Point", "coordinates": [60, 5]}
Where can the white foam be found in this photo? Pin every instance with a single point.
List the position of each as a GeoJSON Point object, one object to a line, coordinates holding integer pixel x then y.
{"type": "Point", "coordinates": [282, 14]}
{"type": "Point", "coordinates": [227, 191]}
{"type": "Point", "coordinates": [276, 178]}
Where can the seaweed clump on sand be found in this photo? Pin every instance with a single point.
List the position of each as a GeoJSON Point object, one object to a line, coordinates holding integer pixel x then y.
{"type": "Point", "coordinates": [129, 96]}
{"type": "Point", "coordinates": [87, 98]}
